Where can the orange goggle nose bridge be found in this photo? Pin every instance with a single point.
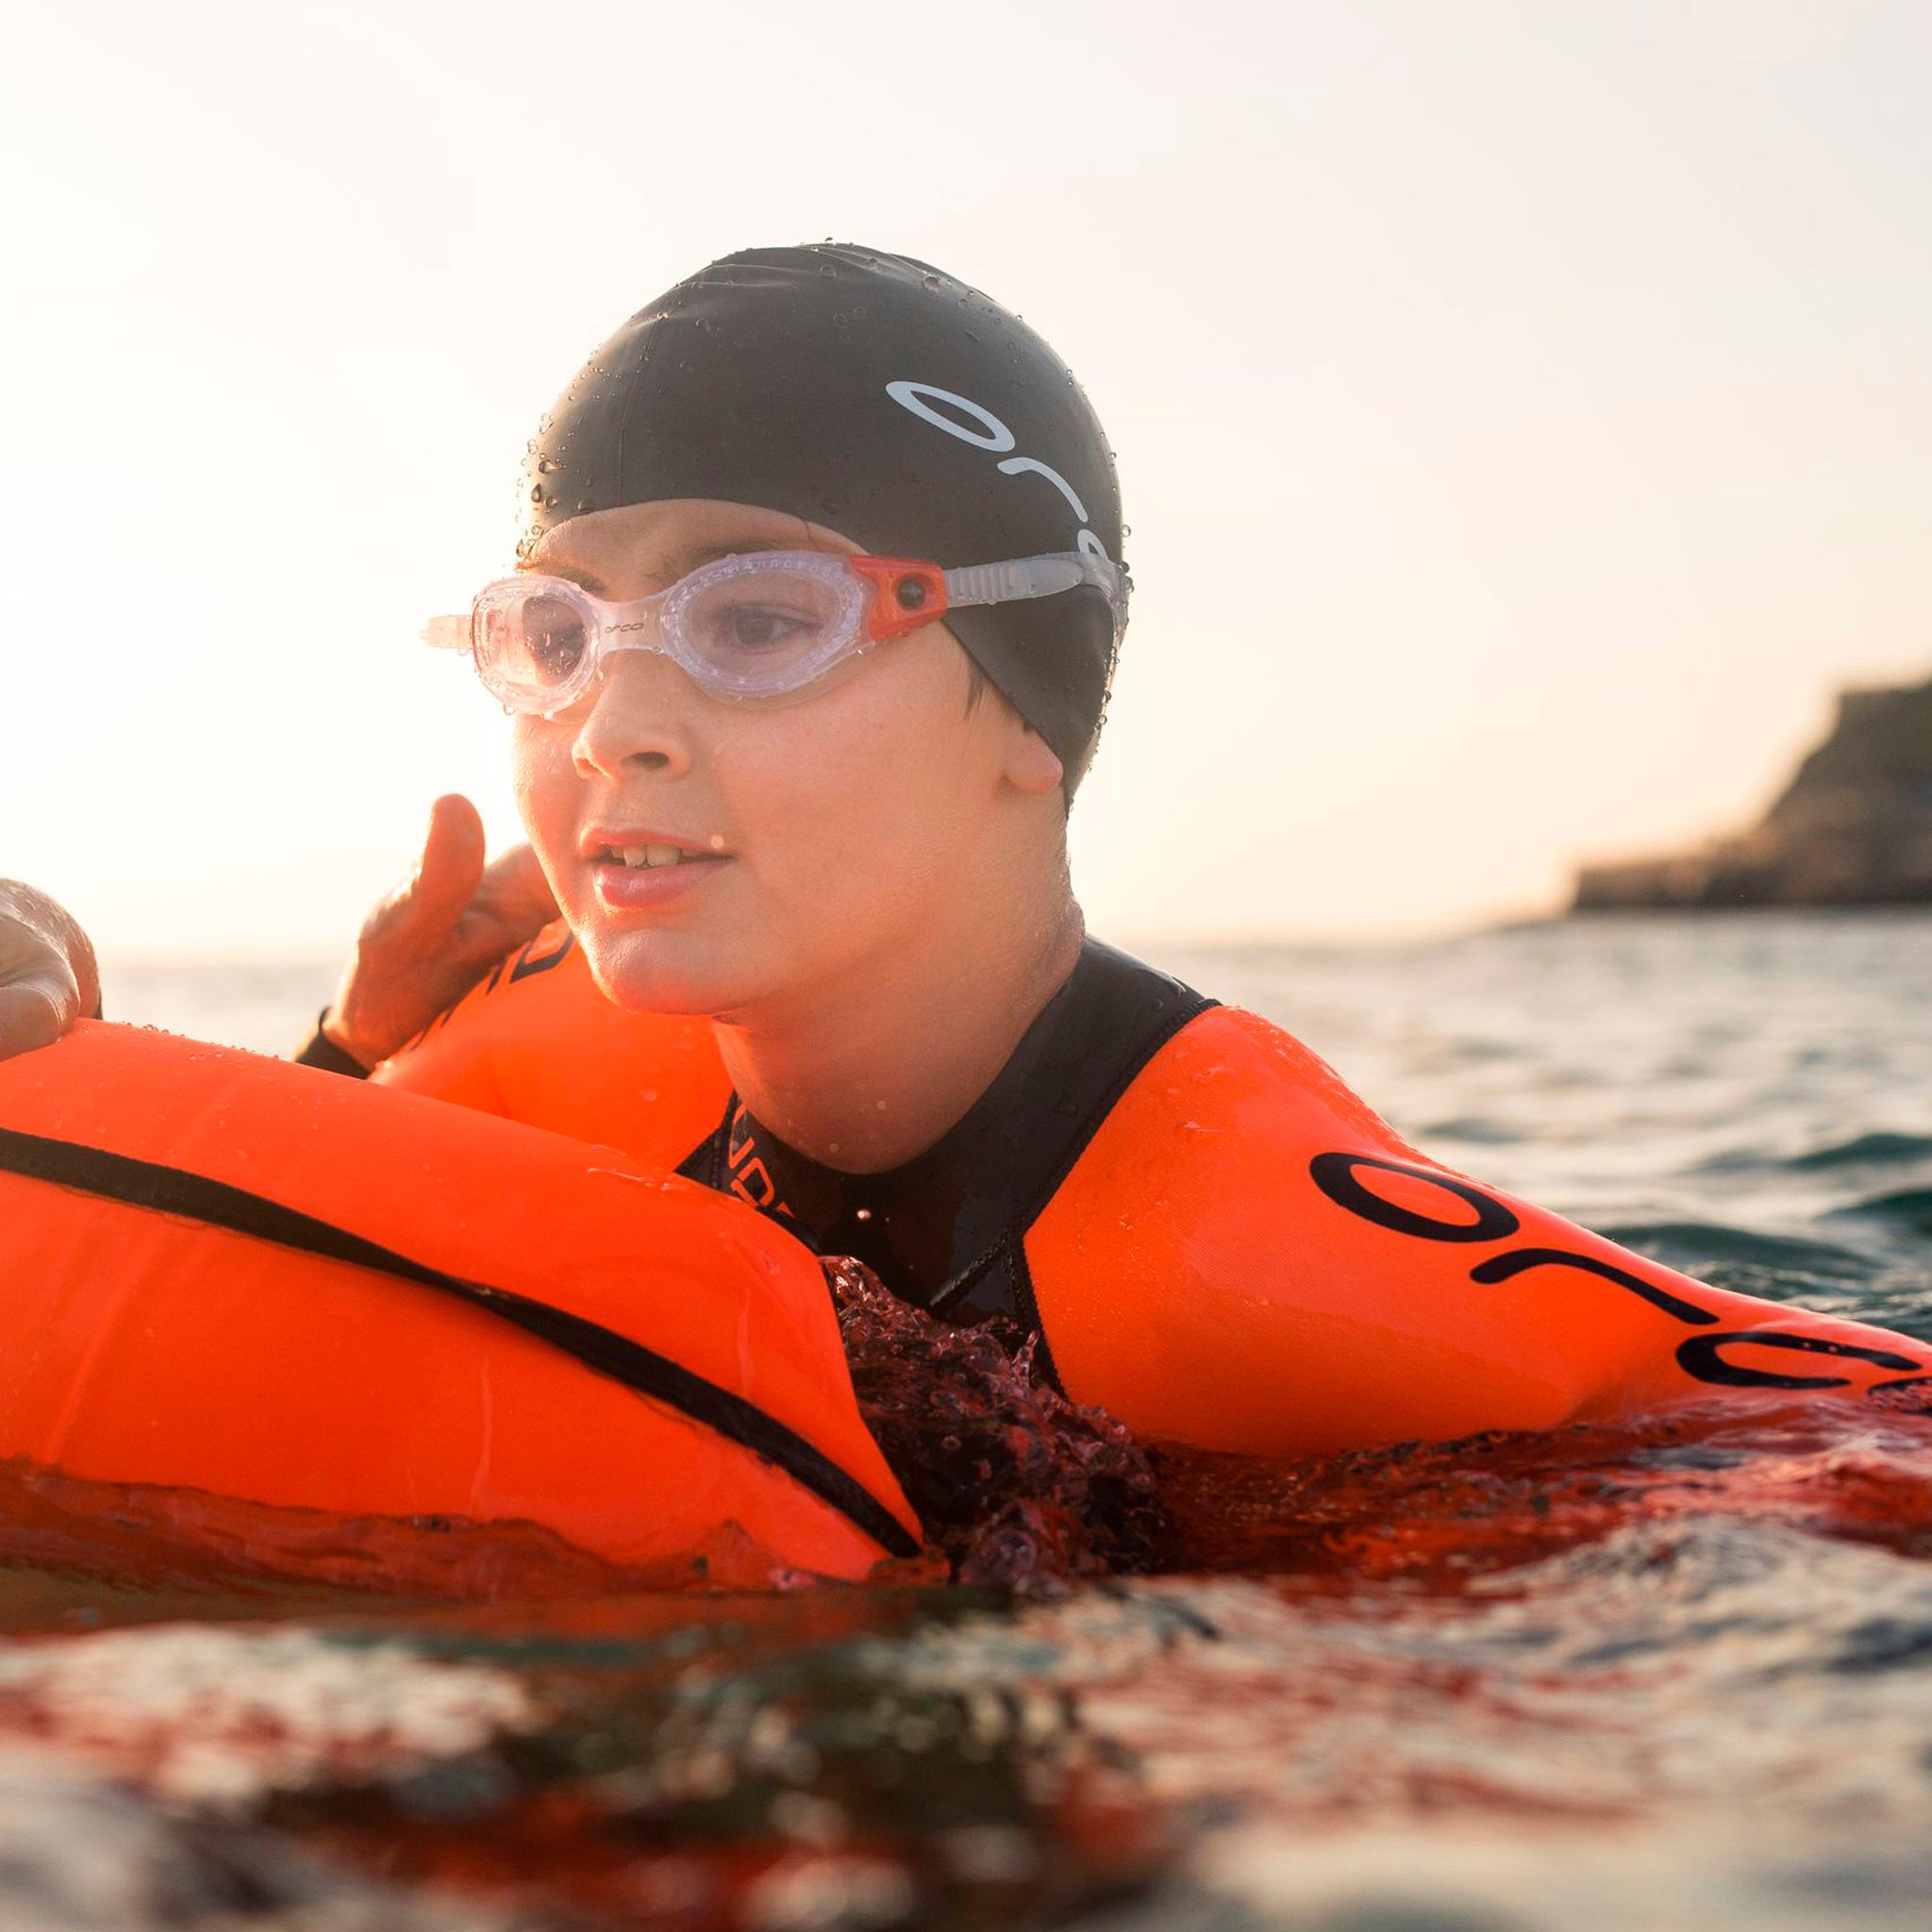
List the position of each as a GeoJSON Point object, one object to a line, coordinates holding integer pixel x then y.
{"type": "Point", "coordinates": [907, 595]}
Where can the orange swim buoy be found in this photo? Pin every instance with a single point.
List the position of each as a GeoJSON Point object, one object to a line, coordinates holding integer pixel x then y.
{"type": "Point", "coordinates": [1245, 1258]}
{"type": "Point", "coordinates": [235, 1277]}
{"type": "Point", "coordinates": [535, 1042]}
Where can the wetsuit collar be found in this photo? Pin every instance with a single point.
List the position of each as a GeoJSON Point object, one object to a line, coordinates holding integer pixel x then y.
{"type": "Point", "coordinates": [936, 1227]}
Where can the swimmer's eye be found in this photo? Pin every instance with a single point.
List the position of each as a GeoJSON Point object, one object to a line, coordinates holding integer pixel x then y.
{"type": "Point", "coordinates": [554, 644]}
{"type": "Point", "coordinates": [763, 615]}
{"type": "Point", "coordinates": [543, 638]}
{"type": "Point", "coordinates": [762, 626]}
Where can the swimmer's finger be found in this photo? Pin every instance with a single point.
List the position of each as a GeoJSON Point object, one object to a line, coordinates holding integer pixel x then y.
{"type": "Point", "coordinates": [436, 893]}
{"type": "Point", "coordinates": [417, 953]}
{"type": "Point", "coordinates": [35, 1012]}
{"type": "Point", "coordinates": [452, 866]}
{"type": "Point", "coordinates": [48, 976]}
{"type": "Point", "coordinates": [515, 888]}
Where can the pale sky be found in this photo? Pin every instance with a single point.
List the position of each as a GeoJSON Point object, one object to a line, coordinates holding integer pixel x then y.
{"type": "Point", "coordinates": [1523, 406]}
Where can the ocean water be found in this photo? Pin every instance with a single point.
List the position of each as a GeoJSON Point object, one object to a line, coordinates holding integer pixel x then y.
{"type": "Point", "coordinates": [1675, 1676]}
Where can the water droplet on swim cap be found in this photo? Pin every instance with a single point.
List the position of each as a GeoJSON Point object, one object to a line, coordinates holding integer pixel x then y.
{"type": "Point", "coordinates": [944, 428]}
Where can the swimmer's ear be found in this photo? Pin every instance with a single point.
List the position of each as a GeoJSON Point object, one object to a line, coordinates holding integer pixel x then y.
{"type": "Point", "coordinates": [1031, 764]}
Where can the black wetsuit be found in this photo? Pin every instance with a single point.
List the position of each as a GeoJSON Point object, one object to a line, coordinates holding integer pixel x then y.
{"type": "Point", "coordinates": [946, 1230]}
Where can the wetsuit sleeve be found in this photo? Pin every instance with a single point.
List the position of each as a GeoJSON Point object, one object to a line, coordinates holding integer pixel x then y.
{"type": "Point", "coordinates": [322, 1051]}
{"type": "Point", "coordinates": [1245, 1258]}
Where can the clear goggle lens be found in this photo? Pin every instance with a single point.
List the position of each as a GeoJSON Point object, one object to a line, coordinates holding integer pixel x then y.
{"type": "Point", "coordinates": [537, 642]}
{"type": "Point", "coordinates": [768, 629]}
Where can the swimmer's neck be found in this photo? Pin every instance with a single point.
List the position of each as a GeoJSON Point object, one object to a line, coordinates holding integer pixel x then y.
{"type": "Point", "coordinates": [864, 1075]}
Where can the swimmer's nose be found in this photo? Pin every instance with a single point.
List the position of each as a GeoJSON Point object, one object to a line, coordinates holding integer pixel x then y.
{"type": "Point", "coordinates": [639, 718]}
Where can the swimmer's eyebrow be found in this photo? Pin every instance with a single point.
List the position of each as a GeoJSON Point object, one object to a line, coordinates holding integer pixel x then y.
{"type": "Point", "coordinates": [584, 580]}
{"type": "Point", "coordinates": [681, 566]}
{"type": "Point", "coordinates": [696, 559]}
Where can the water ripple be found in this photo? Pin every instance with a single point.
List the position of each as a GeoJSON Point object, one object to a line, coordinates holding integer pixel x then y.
{"type": "Point", "coordinates": [1866, 1150]}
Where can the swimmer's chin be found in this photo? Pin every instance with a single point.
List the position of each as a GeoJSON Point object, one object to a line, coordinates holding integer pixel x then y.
{"type": "Point", "coordinates": [659, 973]}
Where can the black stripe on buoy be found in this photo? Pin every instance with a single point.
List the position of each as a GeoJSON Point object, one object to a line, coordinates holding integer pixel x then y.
{"type": "Point", "coordinates": [642, 1370]}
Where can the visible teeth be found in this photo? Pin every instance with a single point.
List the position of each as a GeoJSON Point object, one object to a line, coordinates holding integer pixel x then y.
{"type": "Point", "coordinates": [651, 855]}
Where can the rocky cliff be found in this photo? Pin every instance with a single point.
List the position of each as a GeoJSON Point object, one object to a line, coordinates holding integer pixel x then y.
{"type": "Point", "coordinates": [1853, 827]}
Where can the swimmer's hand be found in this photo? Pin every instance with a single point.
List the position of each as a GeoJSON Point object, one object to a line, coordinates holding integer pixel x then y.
{"type": "Point", "coordinates": [436, 935]}
{"type": "Point", "coordinates": [48, 977]}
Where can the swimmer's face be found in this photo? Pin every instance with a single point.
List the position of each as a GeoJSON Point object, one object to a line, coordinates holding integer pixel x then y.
{"type": "Point", "coordinates": [830, 831]}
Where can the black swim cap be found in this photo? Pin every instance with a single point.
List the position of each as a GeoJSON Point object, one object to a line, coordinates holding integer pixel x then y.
{"type": "Point", "coordinates": [874, 395]}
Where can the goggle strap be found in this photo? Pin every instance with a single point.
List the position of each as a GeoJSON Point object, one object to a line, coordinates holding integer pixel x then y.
{"type": "Point", "coordinates": [1011, 582]}
{"type": "Point", "coordinates": [1035, 577]}
{"type": "Point", "coordinates": [448, 633]}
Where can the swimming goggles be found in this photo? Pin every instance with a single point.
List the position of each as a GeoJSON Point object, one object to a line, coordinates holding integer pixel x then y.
{"type": "Point", "coordinates": [760, 625]}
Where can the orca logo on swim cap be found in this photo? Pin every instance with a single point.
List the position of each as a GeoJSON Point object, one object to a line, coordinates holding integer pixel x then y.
{"type": "Point", "coordinates": [994, 437]}
{"type": "Point", "coordinates": [912, 395]}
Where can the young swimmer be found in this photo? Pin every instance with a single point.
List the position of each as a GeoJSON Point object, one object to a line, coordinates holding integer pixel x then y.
{"type": "Point", "coordinates": [871, 898]}
{"type": "Point", "coordinates": [819, 598]}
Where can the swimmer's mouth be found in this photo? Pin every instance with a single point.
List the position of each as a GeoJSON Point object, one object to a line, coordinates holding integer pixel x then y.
{"type": "Point", "coordinates": [648, 856]}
